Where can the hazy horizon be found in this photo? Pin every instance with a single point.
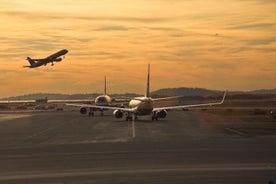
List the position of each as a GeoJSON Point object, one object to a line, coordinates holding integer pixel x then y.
{"type": "Point", "coordinates": [228, 44]}
{"type": "Point", "coordinates": [99, 93]}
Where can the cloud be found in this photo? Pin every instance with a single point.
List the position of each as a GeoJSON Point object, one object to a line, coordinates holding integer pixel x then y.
{"type": "Point", "coordinates": [57, 16]}
{"type": "Point", "coordinates": [209, 40]}
{"type": "Point", "coordinates": [262, 26]}
{"type": "Point", "coordinates": [112, 28]}
{"type": "Point", "coordinates": [261, 41]}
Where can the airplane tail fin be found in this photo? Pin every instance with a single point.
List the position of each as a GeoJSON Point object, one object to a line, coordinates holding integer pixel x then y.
{"type": "Point", "coordinates": [148, 82]}
{"type": "Point", "coordinates": [31, 61]}
{"type": "Point", "coordinates": [105, 85]}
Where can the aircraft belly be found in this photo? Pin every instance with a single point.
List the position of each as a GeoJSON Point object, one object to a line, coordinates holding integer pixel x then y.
{"type": "Point", "coordinates": [144, 109]}
{"type": "Point", "coordinates": [142, 112]}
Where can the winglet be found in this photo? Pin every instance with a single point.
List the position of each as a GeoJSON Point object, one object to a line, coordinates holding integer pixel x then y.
{"type": "Point", "coordinates": [223, 98]}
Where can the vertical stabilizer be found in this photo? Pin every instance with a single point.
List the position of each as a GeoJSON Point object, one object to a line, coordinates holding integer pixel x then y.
{"type": "Point", "coordinates": [105, 84]}
{"type": "Point", "coordinates": [30, 61]}
{"type": "Point", "coordinates": [148, 82]}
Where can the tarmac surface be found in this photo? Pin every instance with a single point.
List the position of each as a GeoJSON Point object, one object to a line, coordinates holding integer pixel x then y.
{"type": "Point", "coordinates": [67, 147]}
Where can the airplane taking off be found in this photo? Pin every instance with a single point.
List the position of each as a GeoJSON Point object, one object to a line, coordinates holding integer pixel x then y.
{"type": "Point", "coordinates": [50, 59]}
{"type": "Point", "coordinates": [101, 100]}
{"type": "Point", "coordinates": [141, 106]}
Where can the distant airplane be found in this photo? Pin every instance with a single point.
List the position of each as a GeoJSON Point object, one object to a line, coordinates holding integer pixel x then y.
{"type": "Point", "coordinates": [50, 59]}
{"type": "Point", "coordinates": [101, 100]}
{"type": "Point", "coordinates": [141, 106]}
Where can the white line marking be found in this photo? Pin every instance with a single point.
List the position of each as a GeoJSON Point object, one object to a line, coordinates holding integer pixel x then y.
{"type": "Point", "coordinates": [236, 131]}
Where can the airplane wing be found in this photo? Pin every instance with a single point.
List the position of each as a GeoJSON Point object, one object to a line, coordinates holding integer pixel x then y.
{"type": "Point", "coordinates": [166, 98]}
{"type": "Point", "coordinates": [103, 107]}
{"type": "Point", "coordinates": [194, 105]}
{"type": "Point", "coordinates": [154, 109]}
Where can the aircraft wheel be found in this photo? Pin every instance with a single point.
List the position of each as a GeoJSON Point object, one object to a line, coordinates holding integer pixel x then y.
{"type": "Point", "coordinates": [128, 118]}
{"type": "Point", "coordinates": [154, 118]}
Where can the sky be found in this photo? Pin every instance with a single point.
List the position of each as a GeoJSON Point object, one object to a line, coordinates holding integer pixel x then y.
{"type": "Point", "coordinates": [227, 44]}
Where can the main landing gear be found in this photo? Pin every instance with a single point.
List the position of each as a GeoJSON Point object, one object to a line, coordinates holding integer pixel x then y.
{"type": "Point", "coordinates": [129, 117]}
{"type": "Point", "coordinates": [154, 117]}
{"type": "Point", "coordinates": [92, 113]}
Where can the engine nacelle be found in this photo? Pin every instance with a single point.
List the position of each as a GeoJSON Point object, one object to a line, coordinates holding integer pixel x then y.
{"type": "Point", "coordinates": [161, 114]}
{"type": "Point", "coordinates": [58, 59]}
{"type": "Point", "coordinates": [118, 113]}
{"type": "Point", "coordinates": [83, 110]}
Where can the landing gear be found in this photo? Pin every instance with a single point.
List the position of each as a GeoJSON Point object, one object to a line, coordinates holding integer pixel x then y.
{"type": "Point", "coordinates": [129, 117]}
{"type": "Point", "coordinates": [154, 117]}
{"type": "Point", "coordinates": [52, 64]}
{"type": "Point", "coordinates": [91, 113]}
{"type": "Point", "coordinates": [102, 113]}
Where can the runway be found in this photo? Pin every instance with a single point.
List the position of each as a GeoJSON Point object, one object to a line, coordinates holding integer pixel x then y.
{"type": "Point", "coordinates": [66, 147]}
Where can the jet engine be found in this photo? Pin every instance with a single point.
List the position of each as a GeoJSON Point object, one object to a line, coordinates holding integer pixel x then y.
{"type": "Point", "coordinates": [58, 59]}
{"type": "Point", "coordinates": [83, 110]}
{"type": "Point", "coordinates": [161, 114]}
{"type": "Point", "coordinates": [118, 113]}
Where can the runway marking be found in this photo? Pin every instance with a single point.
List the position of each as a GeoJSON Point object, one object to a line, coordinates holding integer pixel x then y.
{"type": "Point", "coordinates": [236, 131]}
{"type": "Point", "coordinates": [6, 117]}
{"type": "Point", "coordinates": [9, 176]}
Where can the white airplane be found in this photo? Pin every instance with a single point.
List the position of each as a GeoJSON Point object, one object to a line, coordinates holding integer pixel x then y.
{"type": "Point", "coordinates": [141, 106]}
{"type": "Point", "coordinates": [50, 59]}
{"type": "Point", "coordinates": [101, 100]}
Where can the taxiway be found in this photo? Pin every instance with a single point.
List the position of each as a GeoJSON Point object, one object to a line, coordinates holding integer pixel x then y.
{"type": "Point", "coordinates": [66, 147]}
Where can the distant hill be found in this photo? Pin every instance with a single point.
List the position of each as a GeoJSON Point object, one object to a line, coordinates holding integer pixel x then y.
{"type": "Point", "coordinates": [57, 96]}
{"type": "Point", "coordinates": [263, 91]}
{"type": "Point", "coordinates": [185, 92]}
{"type": "Point", "coordinates": [182, 91]}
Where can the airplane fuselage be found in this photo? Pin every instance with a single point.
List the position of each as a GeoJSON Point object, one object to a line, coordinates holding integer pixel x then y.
{"type": "Point", "coordinates": [56, 55]}
{"type": "Point", "coordinates": [143, 105]}
{"type": "Point", "coordinates": [103, 100]}
{"type": "Point", "coordinates": [50, 59]}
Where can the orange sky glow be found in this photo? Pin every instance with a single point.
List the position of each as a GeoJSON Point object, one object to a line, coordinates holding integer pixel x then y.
{"type": "Point", "coordinates": [228, 44]}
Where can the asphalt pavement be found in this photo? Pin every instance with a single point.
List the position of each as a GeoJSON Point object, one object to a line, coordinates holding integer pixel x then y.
{"type": "Point", "coordinates": [67, 147]}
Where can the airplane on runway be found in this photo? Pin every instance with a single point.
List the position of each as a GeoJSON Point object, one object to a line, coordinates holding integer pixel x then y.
{"type": "Point", "coordinates": [50, 59]}
{"type": "Point", "coordinates": [141, 106]}
{"type": "Point", "coordinates": [101, 100]}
